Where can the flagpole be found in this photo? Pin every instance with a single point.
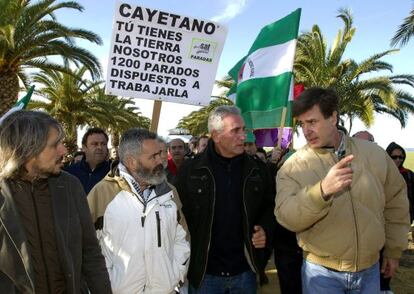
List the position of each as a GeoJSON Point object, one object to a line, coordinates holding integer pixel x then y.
{"type": "Point", "coordinates": [282, 125]}
{"type": "Point", "coordinates": [21, 104]}
{"type": "Point", "coordinates": [156, 110]}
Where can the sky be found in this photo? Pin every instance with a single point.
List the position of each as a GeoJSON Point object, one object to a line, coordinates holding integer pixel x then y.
{"type": "Point", "coordinates": [375, 22]}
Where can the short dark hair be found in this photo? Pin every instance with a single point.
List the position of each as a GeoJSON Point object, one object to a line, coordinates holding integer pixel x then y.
{"type": "Point", "coordinates": [326, 99]}
{"type": "Point", "coordinates": [92, 131]}
{"type": "Point", "coordinates": [132, 141]}
{"type": "Point", "coordinates": [176, 139]}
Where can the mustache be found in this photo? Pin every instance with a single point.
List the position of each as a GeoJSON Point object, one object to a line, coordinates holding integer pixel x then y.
{"type": "Point", "coordinates": [158, 168]}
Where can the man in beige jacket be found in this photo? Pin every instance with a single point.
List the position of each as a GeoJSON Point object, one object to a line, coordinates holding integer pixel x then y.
{"type": "Point", "coordinates": [344, 198]}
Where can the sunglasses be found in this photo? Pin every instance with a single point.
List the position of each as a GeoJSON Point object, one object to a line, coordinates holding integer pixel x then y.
{"type": "Point", "coordinates": [397, 157]}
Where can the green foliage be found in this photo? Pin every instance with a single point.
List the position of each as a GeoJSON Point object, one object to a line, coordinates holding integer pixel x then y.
{"type": "Point", "coordinates": [30, 34]}
{"type": "Point", "coordinates": [405, 31]}
{"type": "Point", "coordinates": [365, 88]}
{"type": "Point", "coordinates": [76, 101]}
{"type": "Point", "coordinates": [409, 160]}
{"type": "Point", "coordinates": [362, 87]}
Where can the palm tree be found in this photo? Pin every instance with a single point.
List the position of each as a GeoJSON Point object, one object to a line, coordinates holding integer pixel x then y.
{"type": "Point", "coordinates": [125, 115]}
{"type": "Point", "coordinates": [29, 34]}
{"type": "Point", "coordinates": [405, 31]}
{"type": "Point", "coordinates": [67, 97]}
{"type": "Point", "coordinates": [196, 121]}
{"type": "Point", "coordinates": [362, 94]}
{"type": "Point", "coordinates": [77, 102]}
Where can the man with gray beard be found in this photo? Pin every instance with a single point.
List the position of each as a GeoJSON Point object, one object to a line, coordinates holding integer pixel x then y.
{"type": "Point", "coordinates": [138, 220]}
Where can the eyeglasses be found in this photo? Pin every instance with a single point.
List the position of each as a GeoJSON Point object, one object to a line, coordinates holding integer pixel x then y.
{"type": "Point", "coordinates": [397, 157]}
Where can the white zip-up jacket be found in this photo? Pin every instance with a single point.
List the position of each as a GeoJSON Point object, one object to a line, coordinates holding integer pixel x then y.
{"type": "Point", "coordinates": [144, 245]}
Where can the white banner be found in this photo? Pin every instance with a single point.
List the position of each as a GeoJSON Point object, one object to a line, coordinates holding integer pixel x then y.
{"type": "Point", "coordinates": [163, 56]}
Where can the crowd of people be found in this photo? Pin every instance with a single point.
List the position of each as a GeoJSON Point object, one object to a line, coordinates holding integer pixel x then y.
{"type": "Point", "coordinates": [203, 217]}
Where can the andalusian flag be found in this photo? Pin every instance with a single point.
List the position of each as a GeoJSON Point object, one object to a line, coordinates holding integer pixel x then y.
{"type": "Point", "coordinates": [265, 81]}
{"type": "Point", "coordinates": [21, 104]}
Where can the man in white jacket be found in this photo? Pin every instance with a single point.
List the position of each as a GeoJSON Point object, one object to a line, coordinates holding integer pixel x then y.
{"type": "Point", "coordinates": [138, 220]}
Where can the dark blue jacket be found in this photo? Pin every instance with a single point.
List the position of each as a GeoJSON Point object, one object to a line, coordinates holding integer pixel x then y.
{"type": "Point", "coordinates": [86, 176]}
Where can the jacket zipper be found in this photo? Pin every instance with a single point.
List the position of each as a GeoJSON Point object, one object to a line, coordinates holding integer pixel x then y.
{"type": "Point", "coordinates": [157, 215]}
{"type": "Point", "coordinates": [356, 232]}
{"type": "Point", "coordinates": [211, 222]}
{"type": "Point", "coordinates": [247, 222]}
{"type": "Point", "coordinates": [42, 250]}
{"type": "Point", "coordinates": [355, 225]}
{"type": "Point", "coordinates": [144, 203]}
{"type": "Point", "coordinates": [143, 214]}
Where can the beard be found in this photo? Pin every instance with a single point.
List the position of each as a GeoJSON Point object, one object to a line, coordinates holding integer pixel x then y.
{"type": "Point", "coordinates": [153, 176]}
{"type": "Point", "coordinates": [49, 170]}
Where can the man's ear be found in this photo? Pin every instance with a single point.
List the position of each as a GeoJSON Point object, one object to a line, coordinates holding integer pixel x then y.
{"type": "Point", "coordinates": [335, 118]}
{"type": "Point", "coordinates": [83, 147]}
{"type": "Point", "coordinates": [215, 136]}
{"type": "Point", "coordinates": [130, 162]}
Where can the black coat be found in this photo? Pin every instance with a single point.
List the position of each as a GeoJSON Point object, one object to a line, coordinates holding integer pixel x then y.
{"type": "Point", "coordinates": [78, 248]}
{"type": "Point", "coordinates": [196, 187]}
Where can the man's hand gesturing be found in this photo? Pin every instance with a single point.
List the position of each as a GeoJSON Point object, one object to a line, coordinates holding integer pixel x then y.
{"type": "Point", "coordinates": [338, 178]}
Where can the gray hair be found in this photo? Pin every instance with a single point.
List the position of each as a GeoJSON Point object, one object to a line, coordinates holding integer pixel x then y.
{"type": "Point", "coordinates": [23, 136]}
{"type": "Point", "coordinates": [365, 135]}
{"type": "Point", "coordinates": [215, 119]}
{"type": "Point", "coordinates": [131, 142]}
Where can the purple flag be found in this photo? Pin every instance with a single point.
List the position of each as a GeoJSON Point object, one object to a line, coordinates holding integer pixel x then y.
{"type": "Point", "coordinates": [269, 137]}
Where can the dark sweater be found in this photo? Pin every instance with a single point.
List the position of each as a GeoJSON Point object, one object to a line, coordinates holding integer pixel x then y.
{"type": "Point", "coordinates": [226, 255]}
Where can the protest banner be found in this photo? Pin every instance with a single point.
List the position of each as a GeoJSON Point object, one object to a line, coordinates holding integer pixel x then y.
{"type": "Point", "coordinates": [163, 56]}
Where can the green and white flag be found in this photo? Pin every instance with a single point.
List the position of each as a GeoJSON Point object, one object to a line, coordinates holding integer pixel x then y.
{"type": "Point", "coordinates": [264, 76]}
{"type": "Point", "coordinates": [21, 104]}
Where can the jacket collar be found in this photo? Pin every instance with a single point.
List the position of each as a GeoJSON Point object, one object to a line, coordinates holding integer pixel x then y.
{"type": "Point", "coordinates": [204, 159]}
{"type": "Point", "coordinates": [85, 165]}
{"type": "Point", "coordinates": [344, 146]}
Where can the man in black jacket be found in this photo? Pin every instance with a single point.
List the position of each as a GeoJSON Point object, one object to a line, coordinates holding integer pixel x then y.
{"type": "Point", "coordinates": [47, 239]}
{"type": "Point", "coordinates": [227, 201]}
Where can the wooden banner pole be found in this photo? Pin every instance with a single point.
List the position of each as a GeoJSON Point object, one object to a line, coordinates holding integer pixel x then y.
{"type": "Point", "coordinates": [282, 125]}
{"type": "Point", "coordinates": [156, 110]}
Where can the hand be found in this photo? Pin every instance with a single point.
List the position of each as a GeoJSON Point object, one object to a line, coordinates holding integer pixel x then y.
{"type": "Point", "coordinates": [389, 266]}
{"type": "Point", "coordinates": [259, 237]}
{"type": "Point", "coordinates": [276, 152]}
{"type": "Point", "coordinates": [338, 178]}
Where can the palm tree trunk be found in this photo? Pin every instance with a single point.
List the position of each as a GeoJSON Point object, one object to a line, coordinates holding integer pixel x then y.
{"type": "Point", "coordinates": [350, 125]}
{"type": "Point", "coordinates": [114, 139]}
{"type": "Point", "coordinates": [71, 138]}
{"type": "Point", "coordinates": [9, 90]}
{"type": "Point", "coordinates": [71, 144]}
